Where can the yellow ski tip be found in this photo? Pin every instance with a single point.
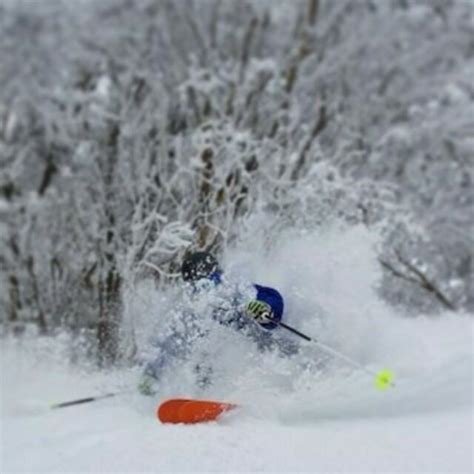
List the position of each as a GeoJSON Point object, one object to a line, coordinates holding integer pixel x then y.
{"type": "Point", "coordinates": [384, 379]}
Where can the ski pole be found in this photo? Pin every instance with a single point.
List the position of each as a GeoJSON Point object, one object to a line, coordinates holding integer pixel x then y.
{"type": "Point", "coordinates": [383, 378]}
{"type": "Point", "coordinates": [80, 401]}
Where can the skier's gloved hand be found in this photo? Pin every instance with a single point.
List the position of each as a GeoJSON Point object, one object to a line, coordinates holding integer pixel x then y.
{"type": "Point", "coordinates": [259, 311]}
{"type": "Point", "coordinates": [146, 386]}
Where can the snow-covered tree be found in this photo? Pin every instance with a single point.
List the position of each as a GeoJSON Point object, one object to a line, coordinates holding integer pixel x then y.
{"type": "Point", "coordinates": [131, 131]}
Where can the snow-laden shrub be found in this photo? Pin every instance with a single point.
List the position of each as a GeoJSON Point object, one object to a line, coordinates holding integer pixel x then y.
{"type": "Point", "coordinates": [133, 131]}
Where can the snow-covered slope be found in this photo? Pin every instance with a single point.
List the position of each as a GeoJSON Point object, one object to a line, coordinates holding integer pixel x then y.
{"type": "Point", "coordinates": [425, 425]}
{"type": "Point", "coordinates": [328, 418]}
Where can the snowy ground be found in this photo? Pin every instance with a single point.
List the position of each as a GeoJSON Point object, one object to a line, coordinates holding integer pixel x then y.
{"type": "Point", "coordinates": [332, 421]}
{"type": "Point", "coordinates": [423, 426]}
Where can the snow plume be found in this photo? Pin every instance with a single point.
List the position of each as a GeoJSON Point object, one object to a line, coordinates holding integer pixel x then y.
{"type": "Point", "coordinates": [329, 281]}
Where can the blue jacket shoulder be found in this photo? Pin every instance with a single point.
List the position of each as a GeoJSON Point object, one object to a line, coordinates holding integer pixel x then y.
{"type": "Point", "coordinates": [274, 299]}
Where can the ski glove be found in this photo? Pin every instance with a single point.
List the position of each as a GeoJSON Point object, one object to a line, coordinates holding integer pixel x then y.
{"type": "Point", "coordinates": [259, 311]}
{"type": "Point", "coordinates": [146, 385]}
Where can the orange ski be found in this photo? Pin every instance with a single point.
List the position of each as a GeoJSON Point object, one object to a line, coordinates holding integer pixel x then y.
{"type": "Point", "coordinates": [191, 411]}
{"type": "Point", "coordinates": [198, 411]}
{"type": "Point", "coordinates": [167, 412]}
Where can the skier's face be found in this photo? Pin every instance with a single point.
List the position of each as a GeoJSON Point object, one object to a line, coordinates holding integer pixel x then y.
{"type": "Point", "coordinates": [206, 284]}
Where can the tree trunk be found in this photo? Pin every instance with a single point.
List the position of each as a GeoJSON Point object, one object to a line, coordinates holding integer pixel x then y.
{"type": "Point", "coordinates": [41, 318]}
{"type": "Point", "coordinates": [109, 320]}
{"type": "Point", "coordinates": [14, 295]}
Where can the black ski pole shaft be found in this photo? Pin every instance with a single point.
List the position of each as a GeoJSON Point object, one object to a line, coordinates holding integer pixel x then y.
{"type": "Point", "coordinates": [327, 349]}
{"type": "Point", "coordinates": [294, 331]}
{"type": "Point", "coordinates": [80, 401]}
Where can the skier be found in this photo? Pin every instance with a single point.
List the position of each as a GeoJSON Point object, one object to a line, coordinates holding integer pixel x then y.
{"type": "Point", "coordinates": [253, 309]}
